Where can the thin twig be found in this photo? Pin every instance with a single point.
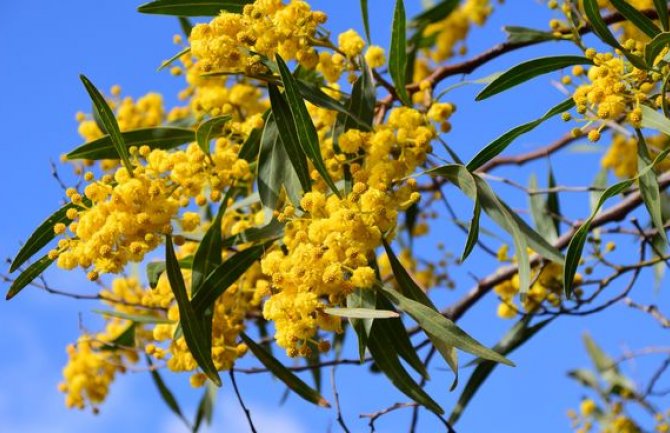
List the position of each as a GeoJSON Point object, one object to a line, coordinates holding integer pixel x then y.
{"type": "Point", "coordinates": [247, 412]}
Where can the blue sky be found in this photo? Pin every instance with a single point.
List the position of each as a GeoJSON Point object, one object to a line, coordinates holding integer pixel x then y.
{"type": "Point", "coordinates": [47, 44]}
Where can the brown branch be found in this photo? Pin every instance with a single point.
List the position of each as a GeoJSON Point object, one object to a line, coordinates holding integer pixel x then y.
{"type": "Point", "coordinates": [615, 213]}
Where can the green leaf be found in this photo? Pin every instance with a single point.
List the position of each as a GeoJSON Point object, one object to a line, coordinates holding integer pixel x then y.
{"type": "Point", "coordinates": [362, 299]}
{"type": "Point", "coordinates": [527, 70]}
{"type": "Point", "coordinates": [173, 59]}
{"type": "Point", "coordinates": [321, 99]}
{"type": "Point", "coordinates": [361, 313]}
{"type": "Point", "coordinates": [161, 137]}
{"type": "Point", "coordinates": [167, 395]}
{"type": "Point", "coordinates": [193, 8]}
{"type": "Point", "coordinates": [498, 145]}
{"type": "Point", "coordinates": [662, 9]}
{"type": "Point", "coordinates": [205, 408]}
{"type": "Point", "coordinates": [41, 236]}
{"type": "Point", "coordinates": [398, 53]}
{"type": "Point", "coordinates": [435, 13]}
{"type": "Point", "coordinates": [209, 129]}
{"type": "Point", "coordinates": [223, 276]}
{"type": "Point", "coordinates": [186, 26]}
{"type": "Point", "coordinates": [156, 269]}
{"type": "Point", "coordinates": [273, 230]}
{"type": "Point", "coordinates": [208, 255]}
{"type": "Point", "coordinates": [638, 19]}
{"type": "Point", "coordinates": [655, 47]}
{"type": "Point", "coordinates": [473, 231]}
{"type": "Point", "coordinates": [440, 327]}
{"type": "Point", "coordinates": [284, 374]}
{"type": "Point", "coordinates": [600, 359]}
{"type": "Point", "coordinates": [366, 20]}
{"type": "Point", "coordinates": [289, 136]}
{"type": "Point", "coordinates": [192, 325]}
{"type": "Point", "coordinates": [499, 212]}
{"type": "Point", "coordinates": [306, 132]}
{"type": "Point", "coordinates": [382, 349]}
{"type": "Point", "coordinates": [525, 35]}
{"type": "Point", "coordinates": [649, 188]}
{"type": "Point", "coordinates": [652, 119]}
{"type": "Point", "coordinates": [27, 276]}
{"type": "Point", "coordinates": [109, 121]}
{"type": "Point", "coordinates": [251, 146]}
{"type": "Point", "coordinates": [592, 11]}
{"type": "Point", "coordinates": [539, 210]}
{"type": "Point", "coordinates": [137, 318]}
{"type": "Point", "coordinates": [416, 293]}
{"type": "Point", "coordinates": [363, 100]}
{"type": "Point", "coordinates": [125, 339]}
{"type": "Point", "coordinates": [599, 185]}
{"type": "Point", "coordinates": [576, 245]}
{"type": "Point", "coordinates": [513, 339]}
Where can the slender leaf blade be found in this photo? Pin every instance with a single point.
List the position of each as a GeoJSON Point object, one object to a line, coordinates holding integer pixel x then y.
{"type": "Point", "coordinates": [398, 53]}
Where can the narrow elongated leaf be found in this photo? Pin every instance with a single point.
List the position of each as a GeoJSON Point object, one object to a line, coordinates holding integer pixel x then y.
{"type": "Point", "coordinates": [306, 132]}
{"type": "Point", "coordinates": [366, 20]}
{"type": "Point", "coordinates": [362, 299]}
{"type": "Point", "coordinates": [41, 236]}
{"type": "Point", "coordinates": [137, 318]}
{"type": "Point", "coordinates": [363, 100]}
{"type": "Point", "coordinates": [539, 210]}
{"type": "Point", "coordinates": [553, 205]}
{"type": "Point", "coordinates": [272, 163]}
{"type": "Point", "coordinates": [398, 53]}
{"type": "Point", "coordinates": [381, 348]}
{"type": "Point", "coordinates": [208, 255]}
{"type": "Point", "coordinates": [361, 313]}
{"type": "Point", "coordinates": [498, 211]}
{"type": "Point", "coordinates": [655, 47]}
{"type": "Point", "coordinates": [210, 129]}
{"type": "Point", "coordinates": [205, 410]}
{"type": "Point", "coordinates": [649, 186]}
{"type": "Point", "coordinates": [193, 327]}
{"type": "Point", "coordinates": [156, 269]}
{"type": "Point", "coordinates": [498, 145]}
{"type": "Point", "coordinates": [273, 230]}
{"type": "Point", "coordinates": [524, 35]}
{"type": "Point", "coordinates": [167, 395]}
{"type": "Point", "coordinates": [435, 13]}
{"type": "Point", "coordinates": [284, 374]}
{"type": "Point", "coordinates": [654, 120]}
{"type": "Point", "coordinates": [125, 339]}
{"type": "Point", "coordinates": [193, 8]}
{"type": "Point", "coordinates": [600, 359]}
{"type": "Point", "coordinates": [528, 70]}
{"type": "Point", "coordinates": [27, 276]}
{"type": "Point", "coordinates": [473, 231]}
{"type": "Point", "coordinates": [513, 339]}
{"type": "Point", "coordinates": [441, 327]}
{"type": "Point", "coordinates": [640, 20]}
{"type": "Point", "coordinates": [223, 276]}
{"type": "Point", "coordinates": [251, 146]}
{"type": "Point", "coordinates": [161, 137]}
{"type": "Point", "coordinates": [109, 121]}
{"type": "Point", "coordinates": [289, 136]}
{"type": "Point", "coordinates": [186, 26]}
{"type": "Point", "coordinates": [661, 7]}
{"type": "Point", "coordinates": [592, 11]}
{"type": "Point", "coordinates": [321, 99]}
{"type": "Point", "coordinates": [173, 59]}
{"type": "Point", "coordinates": [576, 245]}
{"type": "Point", "coordinates": [416, 293]}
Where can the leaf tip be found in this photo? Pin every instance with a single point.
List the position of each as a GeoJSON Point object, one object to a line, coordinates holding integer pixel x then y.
{"type": "Point", "coordinates": [323, 403]}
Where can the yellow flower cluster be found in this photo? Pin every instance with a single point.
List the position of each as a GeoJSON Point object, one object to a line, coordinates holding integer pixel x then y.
{"type": "Point", "coordinates": [455, 28]}
{"type": "Point", "coordinates": [327, 248]}
{"type": "Point", "coordinates": [621, 157]}
{"type": "Point", "coordinates": [233, 42]}
{"type": "Point", "coordinates": [93, 363]}
{"type": "Point", "coordinates": [548, 286]}
{"type": "Point", "coordinates": [603, 420]}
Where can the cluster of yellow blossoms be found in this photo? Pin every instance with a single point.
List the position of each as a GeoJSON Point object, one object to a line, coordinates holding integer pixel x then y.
{"type": "Point", "coordinates": [610, 419]}
{"type": "Point", "coordinates": [547, 286]}
{"type": "Point", "coordinates": [328, 248]}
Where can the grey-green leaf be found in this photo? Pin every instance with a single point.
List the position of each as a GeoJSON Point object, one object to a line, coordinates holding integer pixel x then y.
{"type": "Point", "coordinates": [528, 70]}
{"type": "Point", "coordinates": [167, 395]}
{"type": "Point", "coordinates": [640, 20]}
{"type": "Point", "coordinates": [193, 8]}
{"type": "Point", "coordinates": [27, 276]}
{"type": "Point", "coordinates": [306, 132]}
{"type": "Point", "coordinates": [161, 137]}
{"type": "Point", "coordinates": [498, 145]}
{"type": "Point", "coordinates": [649, 189]}
{"type": "Point", "coordinates": [109, 121]}
{"type": "Point", "coordinates": [209, 129]}
{"type": "Point", "coordinates": [398, 53]}
{"type": "Point", "coordinates": [192, 324]}
{"type": "Point", "coordinates": [284, 374]}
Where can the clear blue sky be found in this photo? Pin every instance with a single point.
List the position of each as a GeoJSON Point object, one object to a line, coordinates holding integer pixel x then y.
{"type": "Point", "coordinates": [46, 44]}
